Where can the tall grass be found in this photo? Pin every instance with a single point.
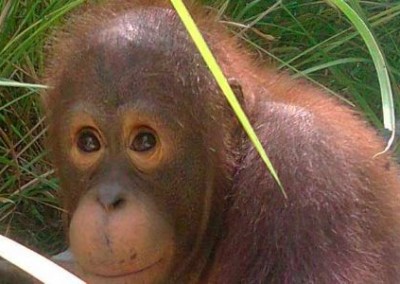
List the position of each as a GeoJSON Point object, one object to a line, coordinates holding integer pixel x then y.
{"type": "Point", "coordinates": [311, 39]}
{"type": "Point", "coordinates": [28, 207]}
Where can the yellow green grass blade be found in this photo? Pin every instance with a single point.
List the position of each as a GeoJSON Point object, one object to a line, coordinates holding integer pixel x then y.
{"type": "Point", "coordinates": [223, 84]}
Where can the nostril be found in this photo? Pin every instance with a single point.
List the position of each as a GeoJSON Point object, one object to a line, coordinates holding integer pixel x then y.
{"type": "Point", "coordinates": [118, 203]}
{"type": "Point", "coordinates": [111, 199]}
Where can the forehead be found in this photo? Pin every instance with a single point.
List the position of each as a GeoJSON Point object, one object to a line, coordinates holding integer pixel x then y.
{"type": "Point", "coordinates": [147, 39]}
{"type": "Point", "coordinates": [147, 28]}
{"type": "Point", "coordinates": [138, 56]}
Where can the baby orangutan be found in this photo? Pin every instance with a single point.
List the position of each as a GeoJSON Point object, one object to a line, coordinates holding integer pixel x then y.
{"type": "Point", "coordinates": [162, 185]}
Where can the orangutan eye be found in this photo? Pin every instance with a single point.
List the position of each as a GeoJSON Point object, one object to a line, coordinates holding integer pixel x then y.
{"type": "Point", "coordinates": [144, 141]}
{"type": "Point", "coordinates": [88, 141]}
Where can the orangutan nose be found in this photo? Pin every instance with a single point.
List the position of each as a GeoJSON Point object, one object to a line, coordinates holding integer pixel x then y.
{"type": "Point", "coordinates": [111, 197]}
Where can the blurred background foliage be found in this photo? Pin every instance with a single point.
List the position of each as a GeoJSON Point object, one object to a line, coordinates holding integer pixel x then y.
{"type": "Point", "coordinates": [306, 38]}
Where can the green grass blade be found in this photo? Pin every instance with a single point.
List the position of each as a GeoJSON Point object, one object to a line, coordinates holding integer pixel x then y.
{"type": "Point", "coordinates": [223, 84]}
{"type": "Point", "coordinates": [379, 62]}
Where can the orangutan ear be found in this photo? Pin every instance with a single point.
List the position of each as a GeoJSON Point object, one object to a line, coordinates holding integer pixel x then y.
{"type": "Point", "coordinates": [237, 89]}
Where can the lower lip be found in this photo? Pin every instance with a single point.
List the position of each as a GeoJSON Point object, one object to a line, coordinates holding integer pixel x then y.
{"type": "Point", "coordinates": [129, 273]}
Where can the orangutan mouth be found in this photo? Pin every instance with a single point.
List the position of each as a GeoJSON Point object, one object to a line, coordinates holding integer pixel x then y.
{"type": "Point", "coordinates": [130, 273]}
